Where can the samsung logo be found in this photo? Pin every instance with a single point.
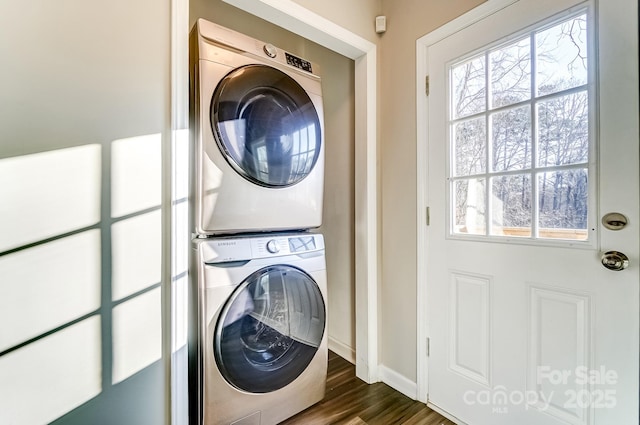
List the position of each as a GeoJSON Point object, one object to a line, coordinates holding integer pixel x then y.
{"type": "Point", "coordinates": [226, 243]}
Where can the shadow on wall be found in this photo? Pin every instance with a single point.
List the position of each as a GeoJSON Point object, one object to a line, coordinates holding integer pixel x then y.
{"type": "Point", "coordinates": [80, 285]}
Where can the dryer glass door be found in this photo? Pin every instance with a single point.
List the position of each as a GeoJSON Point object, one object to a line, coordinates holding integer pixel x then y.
{"type": "Point", "coordinates": [270, 329]}
{"type": "Point", "coordinates": [266, 126]}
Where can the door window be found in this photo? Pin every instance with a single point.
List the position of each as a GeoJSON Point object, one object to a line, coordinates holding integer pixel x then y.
{"type": "Point", "coordinates": [266, 126]}
{"type": "Point", "coordinates": [270, 329]}
{"type": "Point", "coordinates": [520, 132]}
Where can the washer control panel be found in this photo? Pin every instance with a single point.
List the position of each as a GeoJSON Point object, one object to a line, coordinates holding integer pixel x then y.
{"type": "Point", "coordinates": [283, 245]}
{"type": "Point", "coordinates": [272, 246]}
{"type": "Point", "coordinates": [223, 249]}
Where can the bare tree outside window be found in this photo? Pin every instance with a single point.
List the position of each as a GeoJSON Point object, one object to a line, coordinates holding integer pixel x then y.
{"type": "Point", "coordinates": [520, 136]}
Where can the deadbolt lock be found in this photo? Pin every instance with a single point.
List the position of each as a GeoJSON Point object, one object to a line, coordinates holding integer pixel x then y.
{"type": "Point", "coordinates": [614, 221]}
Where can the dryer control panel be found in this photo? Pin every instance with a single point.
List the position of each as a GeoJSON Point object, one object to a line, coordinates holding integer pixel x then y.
{"type": "Point", "coordinates": [218, 35]}
{"type": "Point", "coordinates": [298, 62]}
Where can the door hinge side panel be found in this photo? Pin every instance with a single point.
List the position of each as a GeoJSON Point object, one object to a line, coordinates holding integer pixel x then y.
{"type": "Point", "coordinates": [428, 216]}
{"type": "Point", "coordinates": [426, 85]}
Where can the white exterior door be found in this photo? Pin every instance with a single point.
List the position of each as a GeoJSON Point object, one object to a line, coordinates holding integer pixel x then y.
{"type": "Point", "coordinates": [532, 138]}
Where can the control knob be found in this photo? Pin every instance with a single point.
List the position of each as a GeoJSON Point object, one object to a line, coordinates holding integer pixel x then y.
{"type": "Point", "coordinates": [272, 246]}
{"type": "Point", "coordinates": [270, 50]}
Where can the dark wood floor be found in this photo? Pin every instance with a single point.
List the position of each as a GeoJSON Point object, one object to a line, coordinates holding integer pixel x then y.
{"type": "Point", "coordinates": [349, 401]}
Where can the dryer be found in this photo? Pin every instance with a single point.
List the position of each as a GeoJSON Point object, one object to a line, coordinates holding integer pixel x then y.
{"type": "Point", "coordinates": [261, 318]}
{"type": "Point", "coordinates": [258, 135]}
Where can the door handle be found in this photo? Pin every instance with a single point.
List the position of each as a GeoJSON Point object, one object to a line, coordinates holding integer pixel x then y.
{"type": "Point", "coordinates": [614, 260]}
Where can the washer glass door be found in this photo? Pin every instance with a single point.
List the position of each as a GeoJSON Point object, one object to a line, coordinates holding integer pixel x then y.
{"type": "Point", "coordinates": [266, 126]}
{"type": "Point", "coordinates": [269, 329]}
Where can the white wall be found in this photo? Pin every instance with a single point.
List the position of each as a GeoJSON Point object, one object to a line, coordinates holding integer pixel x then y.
{"type": "Point", "coordinates": [84, 119]}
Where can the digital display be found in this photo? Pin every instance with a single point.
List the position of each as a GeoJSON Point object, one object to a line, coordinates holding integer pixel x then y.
{"type": "Point", "coordinates": [298, 63]}
{"type": "Point", "coordinates": [302, 243]}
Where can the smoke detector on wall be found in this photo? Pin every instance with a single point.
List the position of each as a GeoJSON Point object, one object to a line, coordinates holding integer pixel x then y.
{"type": "Point", "coordinates": [381, 24]}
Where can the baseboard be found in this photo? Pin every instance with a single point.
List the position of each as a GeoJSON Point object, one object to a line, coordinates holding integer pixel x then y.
{"type": "Point", "coordinates": [343, 350]}
{"type": "Point", "coordinates": [398, 382]}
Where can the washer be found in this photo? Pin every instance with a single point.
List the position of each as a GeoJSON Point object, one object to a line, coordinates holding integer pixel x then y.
{"type": "Point", "coordinates": [257, 120]}
{"type": "Point", "coordinates": [261, 345]}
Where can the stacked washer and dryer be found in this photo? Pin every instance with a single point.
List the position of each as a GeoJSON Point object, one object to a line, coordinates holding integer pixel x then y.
{"type": "Point", "coordinates": [259, 343]}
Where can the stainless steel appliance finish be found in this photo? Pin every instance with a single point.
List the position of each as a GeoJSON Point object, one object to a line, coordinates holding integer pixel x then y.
{"type": "Point", "coordinates": [261, 318]}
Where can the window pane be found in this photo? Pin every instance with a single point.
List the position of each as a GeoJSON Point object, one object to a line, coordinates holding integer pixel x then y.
{"type": "Point", "coordinates": [470, 206]}
{"type": "Point", "coordinates": [511, 138]}
{"type": "Point", "coordinates": [561, 56]}
{"type": "Point", "coordinates": [470, 147]}
{"type": "Point", "coordinates": [511, 205]}
{"type": "Point", "coordinates": [563, 130]}
{"type": "Point", "coordinates": [468, 83]}
{"type": "Point", "coordinates": [511, 73]}
{"type": "Point", "coordinates": [563, 204]}
{"type": "Point", "coordinates": [520, 133]}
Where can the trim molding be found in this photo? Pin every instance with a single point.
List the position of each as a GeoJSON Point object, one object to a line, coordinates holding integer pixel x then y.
{"type": "Point", "coordinates": [176, 399]}
{"type": "Point", "coordinates": [295, 18]}
{"type": "Point", "coordinates": [422, 174]}
{"type": "Point", "coordinates": [299, 20]}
